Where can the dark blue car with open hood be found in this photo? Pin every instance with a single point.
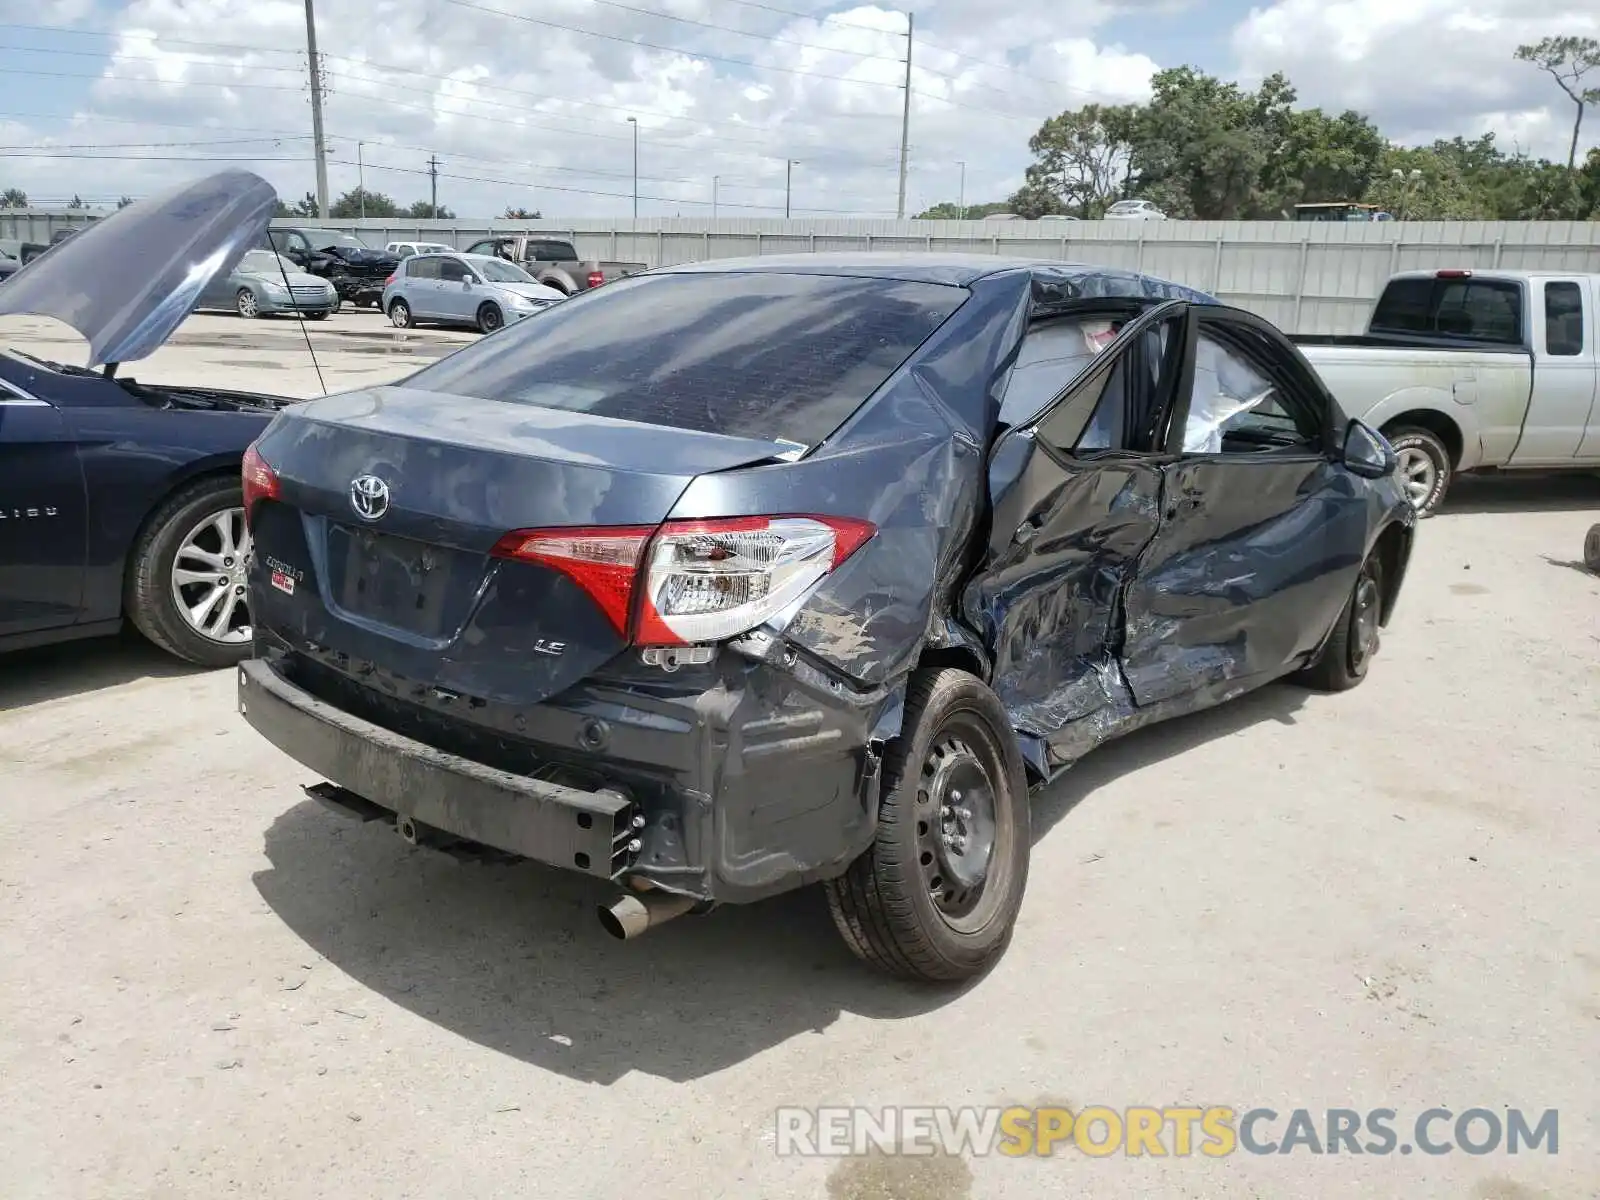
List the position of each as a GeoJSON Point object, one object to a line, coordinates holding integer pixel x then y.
{"type": "Point", "coordinates": [737, 576]}
{"type": "Point", "coordinates": [121, 500]}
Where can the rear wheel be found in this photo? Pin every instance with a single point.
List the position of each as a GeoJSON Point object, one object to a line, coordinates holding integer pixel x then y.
{"type": "Point", "coordinates": [937, 894]}
{"type": "Point", "coordinates": [1591, 549]}
{"type": "Point", "coordinates": [247, 305]}
{"type": "Point", "coordinates": [186, 579]}
{"type": "Point", "coordinates": [317, 316]}
{"type": "Point", "coordinates": [400, 314]}
{"type": "Point", "coordinates": [1349, 651]}
{"type": "Point", "coordinates": [1425, 467]}
{"type": "Point", "coordinates": [490, 318]}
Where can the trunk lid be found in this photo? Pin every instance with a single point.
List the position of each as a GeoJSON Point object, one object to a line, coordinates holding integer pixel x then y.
{"type": "Point", "coordinates": [379, 544]}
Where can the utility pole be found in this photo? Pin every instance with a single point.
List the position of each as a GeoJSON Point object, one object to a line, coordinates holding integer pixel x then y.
{"type": "Point", "coordinates": [635, 168]}
{"type": "Point", "coordinates": [905, 116]}
{"type": "Point", "coordinates": [961, 200]}
{"type": "Point", "coordinates": [433, 186]}
{"type": "Point", "coordinates": [361, 180]}
{"type": "Point", "coordinates": [316, 112]}
{"type": "Point", "coordinates": [788, 185]}
{"type": "Point", "coordinates": [715, 179]}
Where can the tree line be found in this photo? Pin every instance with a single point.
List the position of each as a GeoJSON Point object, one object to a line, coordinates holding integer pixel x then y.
{"type": "Point", "coordinates": [1206, 149]}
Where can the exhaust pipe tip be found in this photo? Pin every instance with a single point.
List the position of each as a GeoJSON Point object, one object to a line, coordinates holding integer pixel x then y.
{"type": "Point", "coordinates": [631, 914]}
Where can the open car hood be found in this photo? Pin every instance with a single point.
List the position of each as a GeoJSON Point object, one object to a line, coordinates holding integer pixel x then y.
{"type": "Point", "coordinates": [127, 281]}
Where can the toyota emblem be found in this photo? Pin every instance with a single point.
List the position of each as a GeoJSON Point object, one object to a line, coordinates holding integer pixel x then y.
{"type": "Point", "coordinates": [369, 496]}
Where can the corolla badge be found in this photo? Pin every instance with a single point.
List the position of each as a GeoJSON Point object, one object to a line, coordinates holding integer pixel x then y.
{"type": "Point", "coordinates": [369, 496]}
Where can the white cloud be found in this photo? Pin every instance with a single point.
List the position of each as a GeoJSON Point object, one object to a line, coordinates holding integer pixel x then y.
{"type": "Point", "coordinates": [544, 109]}
{"type": "Point", "coordinates": [1425, 69]}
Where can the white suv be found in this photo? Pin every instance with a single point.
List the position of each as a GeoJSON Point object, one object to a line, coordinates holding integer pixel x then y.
{"type": "Point", "coordinates": [407, 249]}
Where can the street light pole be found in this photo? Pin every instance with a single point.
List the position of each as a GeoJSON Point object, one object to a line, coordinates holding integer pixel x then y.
{"type": "Point", "coordinates": [961, 202]}
{"type": "Point", "coordinates": [361, 179]}
{"type": "Point", "coordinates": [715, 179]}
{"type": "Point", "coordinates": [788, 184]}
{"type": "Point", "coordinates": [634, 121]}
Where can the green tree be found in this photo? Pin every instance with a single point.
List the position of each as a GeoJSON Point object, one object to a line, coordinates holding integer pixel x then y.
{"type": "Point", "coordinates": [1080, 160]}
{"type": "Point", "coordinates": [1567, 60]}
{"type": "Point", "coordinates": [76, 201]}
{"type": "Point", "coordinates": [949, 210]}
{"type": "Point", "coordinates": [422, 210]}
{"type": "Point", "coordinates": [1322, 158]}
{"type": "Point", "coordinates": [13, 198]}
{"type": "Point", "coordinates": [124, 201]}
{"type": "Point", "coordinates": [349, 205]}
{"type": "Point", "coordinates": [306, 206]}
{"type": "Point", "coordinates": [522, 214]}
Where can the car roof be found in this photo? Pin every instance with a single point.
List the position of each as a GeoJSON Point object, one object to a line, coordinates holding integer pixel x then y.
{"type": "Point", "coordinates": [951, 269]}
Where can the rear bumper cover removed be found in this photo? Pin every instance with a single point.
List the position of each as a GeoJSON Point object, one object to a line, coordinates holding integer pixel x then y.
{"type": "Point", "coordinates": [728, 793]}
{"type": "Point", "coordinates": [582, 831]}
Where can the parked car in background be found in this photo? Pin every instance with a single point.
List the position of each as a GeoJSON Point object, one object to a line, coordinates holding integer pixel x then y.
{"type": "Point", "coordinates": [32, 250]}
{"type": "Point", "coordinates": [121, 500]}
{"type": "Point", "coordinates": [744, 575]}
{"type": "Point", "coordinates": [463, 289]}
{"type": "Point", "coordinates": [407, 249]}
{"type": "Point", "coordinates": [1134, 210]}
{"type": "Point", "coordinates": [10, 264]}
{"type": "Point", "coordinates": [265, 284]}
{"type": "Point", "coordinates": [352, 266]}
{"type": "Point", "coordinates": [1467, 370]}
{"type": "Point", "coordinates": [553, 262]}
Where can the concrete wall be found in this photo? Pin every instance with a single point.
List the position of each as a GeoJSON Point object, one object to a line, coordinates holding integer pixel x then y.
{"type": "Point", "coordinates": [1305, 277]}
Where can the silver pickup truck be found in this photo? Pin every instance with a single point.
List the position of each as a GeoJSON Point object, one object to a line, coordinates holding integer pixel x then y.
{"type": "Point", "coordinates": [1474, 371]}
{"type": "Point", "coordinates": [553, 262]}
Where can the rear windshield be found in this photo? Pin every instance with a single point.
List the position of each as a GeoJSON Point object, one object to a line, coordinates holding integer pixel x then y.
{"type": "Point", "coordinates": [1485, 310]}
{"type": "Point", "coordinates": [775, 356]}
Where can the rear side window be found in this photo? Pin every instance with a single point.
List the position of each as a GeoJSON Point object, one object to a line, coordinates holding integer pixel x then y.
{"type": "Point", "coordinates": [1563, 319]}
{"type": "Point", "coordinates": [750, 354]}
{"type": "Point", "coordinates": [1485, 310]}
{"type": "Point", "coordinates": [552, 251]}
{"type": "Point", "coordinates": [422, 268]}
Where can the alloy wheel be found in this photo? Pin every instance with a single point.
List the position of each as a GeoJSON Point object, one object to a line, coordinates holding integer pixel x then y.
{"type": "Point", "coordinates": [1419, 475]}
{"type": "Point", "coordinates": [247, 304]}
{"type": "Point", "coordinates": [208, 578]}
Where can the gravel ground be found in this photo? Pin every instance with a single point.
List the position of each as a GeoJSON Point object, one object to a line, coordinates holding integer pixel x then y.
{"type": "Point", "coordinates": [1382, 899]}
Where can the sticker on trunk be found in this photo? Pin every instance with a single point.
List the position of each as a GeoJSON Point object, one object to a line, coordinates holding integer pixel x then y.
{"type": "Point", "coordinates": [283, 581]}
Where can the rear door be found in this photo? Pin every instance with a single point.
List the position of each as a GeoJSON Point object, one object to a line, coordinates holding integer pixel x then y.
{"type": "Point", "coordinates": [422, 286]}
{"type": "Point", "coordinates": [43, 516]}
{"type": "Point", "coordinates": [1261, 529]}
{"type": "Point", "coordinates": [1075, 488]}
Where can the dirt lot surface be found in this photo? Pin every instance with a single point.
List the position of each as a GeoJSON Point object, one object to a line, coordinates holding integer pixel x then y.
{"type": "Point", "coordinates": [1387, 899]}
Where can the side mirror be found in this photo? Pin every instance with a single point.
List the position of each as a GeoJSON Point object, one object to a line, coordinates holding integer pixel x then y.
{"type": "Point", "coordinates": [1367, 452]}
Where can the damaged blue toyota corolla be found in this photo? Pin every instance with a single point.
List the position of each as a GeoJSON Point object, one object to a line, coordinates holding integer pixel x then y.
{"type": "Point", "coordinates": [734, 577]}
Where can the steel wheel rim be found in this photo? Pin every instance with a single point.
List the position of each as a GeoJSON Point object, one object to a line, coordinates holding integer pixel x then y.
{"type": "Point", "coordinates": [247, 304]}
{"type": "Point", "coordinates": [208, 579]}
{"type": "Point", "coordinates": [958, 833]}
{"type": "Point", "coordinates": [491, 319]}
{"type": "Point", "coordinates": [1418, 475]}
{"type": "Point", "coordinates": [1364, 621]}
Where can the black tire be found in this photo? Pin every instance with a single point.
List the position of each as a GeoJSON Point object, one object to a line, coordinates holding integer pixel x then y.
{"type": "Point", "coordinates": [884, 906]}
{"type": "Point", "coordinates": [1591, 549]}
{"type": "Point", "coordinates": [490, 318]}
{"type": "Point", "coordinates": [400, 315]}
{"type": "Point", "coordinates": [246, 305]}
{"type": "Point", "coordinates": [1350, 649]}
{"type": "Point", "coordinates": [148, 594]}
{"type": "Point", "coordinates": [1410, 438]}
{"type": "Point", "coordinates": [316, 316]}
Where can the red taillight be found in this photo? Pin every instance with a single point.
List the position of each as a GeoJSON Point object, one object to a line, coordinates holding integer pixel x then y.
{"type": "Point", "coordinates": [388, 281]}
{"type": "Point", "coordinates": [596, 278]}
{"type": "Point", "coordinates": [1452, 273]}
{"type": "Point", "coordinates": [704, 581]}
{"type": "Point", "coordinates": [602, 561]}
{"type": "Point", "coordinates": [259, 479]}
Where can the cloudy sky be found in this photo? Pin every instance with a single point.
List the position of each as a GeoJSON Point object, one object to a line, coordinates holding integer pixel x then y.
{"type": "Point", "coordinates": [528, 103]}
